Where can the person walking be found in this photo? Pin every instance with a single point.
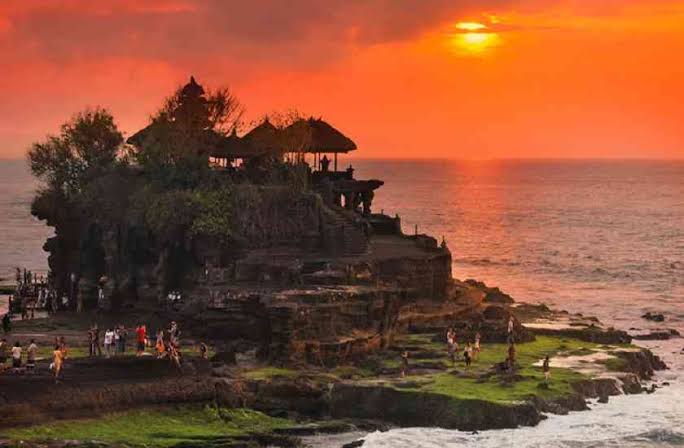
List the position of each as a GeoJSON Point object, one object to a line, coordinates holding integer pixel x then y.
{"type": "Point", "coordinates": [57, 361]}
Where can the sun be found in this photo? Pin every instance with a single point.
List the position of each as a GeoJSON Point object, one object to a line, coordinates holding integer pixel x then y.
{"type": "Point", "coordinates": [473, 38]}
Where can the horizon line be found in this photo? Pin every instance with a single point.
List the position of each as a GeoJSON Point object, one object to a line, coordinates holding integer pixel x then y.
{"type": "Point", "coordinates": [489, 159]}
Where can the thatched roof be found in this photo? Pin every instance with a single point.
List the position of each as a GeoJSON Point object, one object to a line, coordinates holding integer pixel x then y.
{"type": "Point", "coordinates": [234, 147]}
{"type": "Point", "coordinates": [161, 129]}
{"type": "Point", "coordinates": [315, 135]}
{"type": "Point", "coordinates": [265, 138]}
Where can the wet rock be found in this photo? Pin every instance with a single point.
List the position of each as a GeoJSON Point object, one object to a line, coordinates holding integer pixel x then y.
{"type": "Point", "coordinates": [655, 317]}
{"type": "Point", "coordinates": [661, 335]}
{"type": "Point", "coordinates": [354, 444]}
{"type": "Point", "coordinates": [603, 399]}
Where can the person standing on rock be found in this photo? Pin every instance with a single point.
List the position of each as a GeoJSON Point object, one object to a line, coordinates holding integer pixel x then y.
{"type": "Point", "coordinates": [451, 345]}
{"type": "Point", "coordinates": [468, 354]}
{"type": "Point", "coordinates": [511, 354]}
{"type": "Point", "coordinates": [511, 327]}
{"type": "Point", "coordinates": [404, 363]}
{"type": "Point", "coordinates": [546, 368]}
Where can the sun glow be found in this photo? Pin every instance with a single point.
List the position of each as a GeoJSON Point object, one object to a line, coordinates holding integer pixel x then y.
{"type": "Point", "coordinates": [470, 26]}
{"type": "Point", "coordinates": [473, 38]}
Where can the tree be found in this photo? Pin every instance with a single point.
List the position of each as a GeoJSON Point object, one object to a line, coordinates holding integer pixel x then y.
{"type": "Point", "coordinates": [86, 147]}
{"type": "Point", "coordinates": [175, 147]}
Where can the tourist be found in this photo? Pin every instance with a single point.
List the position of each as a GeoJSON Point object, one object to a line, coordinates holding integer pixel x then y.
{"type": "Point", "coordinates": [511, 327]}
{"type": "Point", "coordinates": [174, 334]}
{"type": "Point", "coordinates": [16, 355]}
{"type": "Point", "coordinates": [91, 342]}
{"type": "Point", "coordinates": [117, 339]}
{"type": "Point", "coordinates": [4, 353]}
{"type": "Point", "coordinates": [174, 356]}
{"type": "Point", "coordinates": [511, 354]}
{"type": "Point", "coordinates": [6, 323]}
{"type": "Point", "coordinates": [63, 347]}
{"type": "Point", "coordinates": [476, 347]}
{"type": "Point", "coordinates": [159, 345]}
{"type": "Point", "coordinates": [468, 354]}
{"type": "Point", "coordinates": [141, 338]}
{"type": "Point", "coordinates": [404, 363]}
{"type": "Point", "coordinates": [451, 345]}
{"type": "Point", "coordinates": [31, 355]}
{"type": "Point", "coordinates": [108, 342]}
{"type": "Point", "coordinates": [57, 361]}
{"type": "Point", "coordinates": [122, 339]}
{"type": "Point", "coordinates": [203, 350]}
{"type": "Point", "coordinates": [546, 368]}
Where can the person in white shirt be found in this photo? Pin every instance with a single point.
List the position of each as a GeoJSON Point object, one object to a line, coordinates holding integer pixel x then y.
{"type": "Point", "coordinates": [31, 355]}
{"type": "Point", "coordinates": [16, 355]}
{"type": "Point", "coordinates": [108, 342]}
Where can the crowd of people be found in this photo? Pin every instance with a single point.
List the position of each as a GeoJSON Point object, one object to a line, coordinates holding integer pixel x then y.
{"type": "Point", "coordinates": [114, 339]}
{"type": "Point", "coordinates": [23, 359]}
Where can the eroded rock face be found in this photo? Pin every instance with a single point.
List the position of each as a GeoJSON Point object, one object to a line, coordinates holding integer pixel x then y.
{"type": "Point", "coordinates": [407, 408]}
{"type": "Point", "coordinates": [320, 326]}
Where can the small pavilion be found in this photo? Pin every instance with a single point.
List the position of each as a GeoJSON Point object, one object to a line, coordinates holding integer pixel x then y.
{"type": "Point", "coordinates": [317, 137]}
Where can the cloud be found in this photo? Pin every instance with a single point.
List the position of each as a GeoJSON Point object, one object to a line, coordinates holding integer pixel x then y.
{"type": "Point", "coordinates": [294, 32]}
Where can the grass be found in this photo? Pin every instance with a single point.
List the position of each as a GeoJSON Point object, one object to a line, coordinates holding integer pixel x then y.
{"type": "Point", "coordinates": [265, 373]}
{"type": "Point", "coordinates": [469, 384]}
{"type": "Point", "coordinates": [155, 427]}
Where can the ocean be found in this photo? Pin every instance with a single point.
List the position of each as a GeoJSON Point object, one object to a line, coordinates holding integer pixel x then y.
{"type": "Point", "coordinates": [604, 238]}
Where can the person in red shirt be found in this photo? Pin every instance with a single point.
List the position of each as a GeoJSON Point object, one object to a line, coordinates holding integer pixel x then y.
{"type": "Point", "coordinates": [141, 336]}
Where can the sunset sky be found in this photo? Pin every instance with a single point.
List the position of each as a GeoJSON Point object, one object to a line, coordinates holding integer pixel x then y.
{"type": "Point", "coordinates": [472, 79]}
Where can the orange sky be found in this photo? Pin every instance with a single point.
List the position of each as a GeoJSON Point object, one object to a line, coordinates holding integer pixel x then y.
{"type": "Point", "coordinates": [549, 79]}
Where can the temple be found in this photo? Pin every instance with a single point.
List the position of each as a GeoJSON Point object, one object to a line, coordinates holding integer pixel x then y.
{"type": "Point", "coordinates": [311, 272]}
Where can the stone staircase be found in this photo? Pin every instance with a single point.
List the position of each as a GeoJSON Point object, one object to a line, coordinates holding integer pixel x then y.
{"type": "Point", "coordinates": [344, 233]}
